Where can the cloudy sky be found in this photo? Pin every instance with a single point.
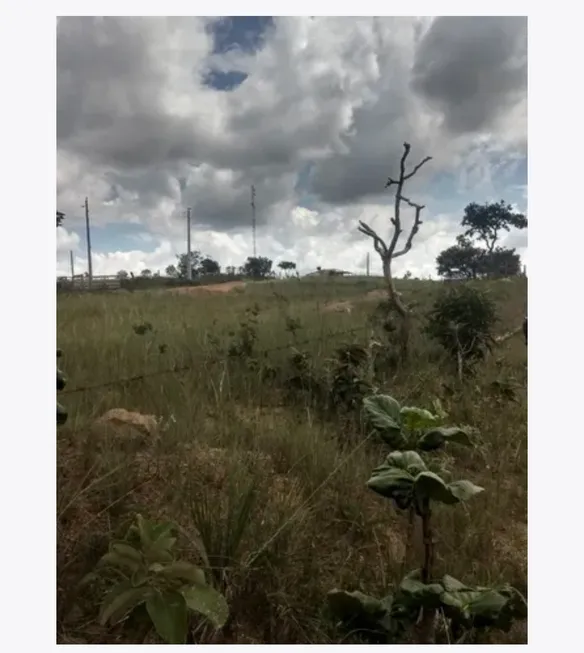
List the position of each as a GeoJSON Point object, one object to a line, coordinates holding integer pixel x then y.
{"type": "Point", "coordinates": [158, 114]}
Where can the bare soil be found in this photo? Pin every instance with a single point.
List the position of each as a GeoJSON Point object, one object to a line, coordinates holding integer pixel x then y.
{"type": "Point", "coordinates": [213, 288]}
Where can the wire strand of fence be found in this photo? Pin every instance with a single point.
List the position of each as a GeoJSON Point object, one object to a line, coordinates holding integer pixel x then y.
{"type": "Point", "coordinates": [178, 369]}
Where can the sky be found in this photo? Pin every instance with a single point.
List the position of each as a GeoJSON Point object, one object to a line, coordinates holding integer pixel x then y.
{"type": "Point", "coordinates": [158, 114]}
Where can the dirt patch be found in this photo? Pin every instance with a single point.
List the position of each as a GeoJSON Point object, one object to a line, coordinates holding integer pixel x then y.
{"type": "Point", "coordinates": [214, 288]}
{"type": "Point", "coordinates": [338, 307]}
{"type": "Point", "coordinates": [377, 294]}
{"type": "Point", "coordinates": [120, 417]}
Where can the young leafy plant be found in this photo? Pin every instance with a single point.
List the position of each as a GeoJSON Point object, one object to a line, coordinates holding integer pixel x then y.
{"type": "Point", "coordinates": [61, 381]}
{"type": "Point", "coordinates": [405, 479]}
{"type": "Point", "coordinates": [147, 573]}
{"type": "Point", "coordinates": [409, 427]}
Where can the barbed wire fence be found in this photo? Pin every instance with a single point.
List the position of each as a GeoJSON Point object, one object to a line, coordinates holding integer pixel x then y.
{"type": "Point", "coordinates": [179, 369]}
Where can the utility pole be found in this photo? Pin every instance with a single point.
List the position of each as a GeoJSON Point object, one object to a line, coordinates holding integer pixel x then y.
{"type": "Point", "coordinates": [88, 232]}
{"type": "Point", "coordinates": [71, 260]}
{"type": "Point", "coordinates": [189, 261]}
{"type": "Point", "coordinates": [253, 220]}
{"type": "Point", "coordinates": [367, 263]}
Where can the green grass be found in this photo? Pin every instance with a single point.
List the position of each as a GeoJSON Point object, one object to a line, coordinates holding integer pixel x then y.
{"type": "Point", "coordinates": [275, 491]}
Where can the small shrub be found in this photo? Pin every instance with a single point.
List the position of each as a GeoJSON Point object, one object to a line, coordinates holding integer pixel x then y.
{"type": "Point", "coordinates": [244, 341]}
{"type": "Point", "coordinates": [343, 385]}
{"type": "Point", "coordinates": [462, 321]}
{"type": "Point", "coordinates": [349, 384]}
{"type": "Point", "coordinates": [142, 570]}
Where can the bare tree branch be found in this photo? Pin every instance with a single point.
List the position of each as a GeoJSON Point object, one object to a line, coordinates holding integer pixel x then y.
{"type": "Point", "coordinates": [416, 168]}
{"type": "Point", "coordinates": [415, 227]}
{"type": "Point", "coordinates": [378, 243]}
{"type": "Point", "coordinates": [403, 175]}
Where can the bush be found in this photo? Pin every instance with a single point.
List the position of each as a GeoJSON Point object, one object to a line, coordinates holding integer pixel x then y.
{"type": "Point", "coordinates": [462, 321]}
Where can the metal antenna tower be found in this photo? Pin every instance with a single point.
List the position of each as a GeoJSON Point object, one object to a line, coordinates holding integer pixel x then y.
{"type": "Point", "coordinates": [253, 220]}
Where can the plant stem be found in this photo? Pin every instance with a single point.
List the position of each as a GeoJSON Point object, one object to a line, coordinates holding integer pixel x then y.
{"type": "Point", "coordinates": [427, 629]}
{"type": "Point", "coordinates": [428, 543]}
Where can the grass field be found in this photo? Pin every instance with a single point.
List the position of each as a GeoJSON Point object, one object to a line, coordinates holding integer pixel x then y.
{"type": "Point", "coordinates": [274, 487]}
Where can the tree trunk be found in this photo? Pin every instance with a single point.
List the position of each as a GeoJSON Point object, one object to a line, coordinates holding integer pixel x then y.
{"type": "Point", "coordinates": [402, 311]}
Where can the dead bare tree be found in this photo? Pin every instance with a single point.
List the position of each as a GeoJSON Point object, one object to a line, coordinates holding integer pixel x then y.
{"type": "Point", "coordinates": [388, 253]}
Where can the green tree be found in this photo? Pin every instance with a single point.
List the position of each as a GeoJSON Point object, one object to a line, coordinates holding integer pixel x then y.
{"type": "Point", "coordinates": [122, 274]}
{"type": "Point", "coordinates": [209, 266]}
{"type": "Point", "coordinates": [501, 262]}
{"type": "Point", "coordinates": [171, 271]}
{"type": "Point", "coordinates": [287, 266]}
{"type": "Point", "coordinates": [146, 273]}
{"type": "Point", "coordinates": [486, 221]}
{"type": "Point", "coordinates": [257, 267]}
{"type": "Point", "coordinates": [461, 261]}
{"type": "Point", "coordinates": [182, 259]}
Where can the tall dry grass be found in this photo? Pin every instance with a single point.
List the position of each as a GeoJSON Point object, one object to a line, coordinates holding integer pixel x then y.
{"type": "Point", "coordinates": [275, 491]}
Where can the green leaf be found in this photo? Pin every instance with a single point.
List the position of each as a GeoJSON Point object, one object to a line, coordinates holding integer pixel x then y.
{"type": "Point", "coordinates": [410, 461]}
{"type": "Point", "coordinates": [464, 490]}
{"type": "Point", "coordinates": [436, 437]}
{"type": "Point", "coordinates": [159, 552]}
{"type": "Point", "coordinates": [182, 570]}
{"type": "Point", "coordinates": [139, 577]}
{"type": "Point", "coordinates": [121, 600]}
{"type": "Point", "coordinates": [383, 414]}
{"type": "Point", "coordinates": [168, 612]}
{"type": "Point", "coordinates": [417, 418]}
{"type": "Point", "coordinates": [451, 584]}
{"type": "Point", "coordinates": [488, 604]}
{"type": "Point", "coordinates": [393, 483]}
{"type": "Point", "coordinates": [456, 603]}
{"type": "Point", "coordinates": [482, 606]}
{"type": "Point", "coordinates": [119, 560]}
{"type": "Point", "coordinates": [430, 485]}
{"type": "Point", "coordinates": [144, 529]}
{"type": "Point", "coordinates": [348, 606]}
{"type": "Point", "coordinates": [127, 551]}
{"type": "Point", "coordinates": [207, 601]}
{"type": "Point", "coordinates": [438, 409]}
{"type": "Point", "coordinates": [414, 594]}
{"type": "Point", "coordinates": [161, 531]}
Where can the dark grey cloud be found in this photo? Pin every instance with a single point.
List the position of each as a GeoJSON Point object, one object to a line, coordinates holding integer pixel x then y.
{"type": "Point", "coordinates": [466, 73]}
{"type": "Point", "coordinates": [111, 80]}
{"type": "Point", "coordinates": [472, 68]}
{"type": "Point", "coordinates": [222, 199]}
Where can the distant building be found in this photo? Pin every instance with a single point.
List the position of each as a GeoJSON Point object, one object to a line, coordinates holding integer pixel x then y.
{"type": "Point", "coordinates": [329, 272]}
